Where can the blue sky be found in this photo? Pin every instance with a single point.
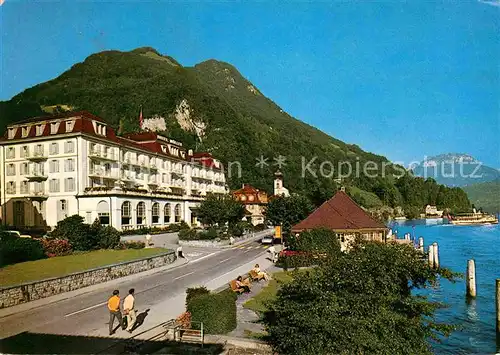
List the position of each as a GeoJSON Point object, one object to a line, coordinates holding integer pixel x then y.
{"type": "Point", "coordinates": [403, 80]}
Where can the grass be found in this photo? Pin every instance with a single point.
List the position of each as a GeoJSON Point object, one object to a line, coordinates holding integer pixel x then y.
{"type": "Point", "coordinates": [259, 301]}
{"type": "Point", "coordinates": [64, 265]}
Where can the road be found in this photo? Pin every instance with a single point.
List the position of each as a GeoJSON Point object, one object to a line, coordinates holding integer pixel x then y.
{"type": "Point", "coordinates": [162, 293]}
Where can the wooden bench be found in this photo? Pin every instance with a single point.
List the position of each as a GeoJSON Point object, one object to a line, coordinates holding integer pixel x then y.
{"type": "Point", "coordinates": [255, 276]}
{"type": "Point", "coordinates": [191, 335]}
{"type": "Point", "coordinates": [235, 288]}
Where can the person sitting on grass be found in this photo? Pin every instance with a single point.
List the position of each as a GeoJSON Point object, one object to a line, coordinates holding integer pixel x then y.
{"type": "Point", "coordinates": [243, 284]}
{"type": "Point", "coordinates": [261, 274]}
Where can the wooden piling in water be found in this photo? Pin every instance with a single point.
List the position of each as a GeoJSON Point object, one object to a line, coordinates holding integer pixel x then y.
{"type": "Point", "coordinates": [471, 278]}
{"type": "Point", "coordinates": [421, 244]}
{"type": "Point", "coordinates": [430, 255]}
{"type": "Point", "coordinates": [436, 255]}
{"type": "Point", "coordinates": [497, 288]}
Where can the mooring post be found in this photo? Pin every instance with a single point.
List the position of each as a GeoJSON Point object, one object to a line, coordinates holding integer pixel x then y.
{"type": "Point", "coordinates": [471, 278]}
{"type": "Point", "coordinates": [498, 308]}
{"type": "Point", "coordinates": [436, 255]}
{"type": "Point", "coordinates": [421, 244]}
{"type": "Point", "coordinates": [431, 256]}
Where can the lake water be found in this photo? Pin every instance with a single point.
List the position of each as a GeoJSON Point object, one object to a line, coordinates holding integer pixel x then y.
{"type": "Point", "coordinates": [457, 244]}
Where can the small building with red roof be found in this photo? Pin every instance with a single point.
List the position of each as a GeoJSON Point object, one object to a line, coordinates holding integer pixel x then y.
{"type": "Point", "coordinates": [346, 218]}
{"type": "Point", "coordinates": [255, 202]}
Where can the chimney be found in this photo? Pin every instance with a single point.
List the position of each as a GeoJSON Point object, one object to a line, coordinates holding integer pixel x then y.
{"type": "Point", "coordinates": [342, 189]}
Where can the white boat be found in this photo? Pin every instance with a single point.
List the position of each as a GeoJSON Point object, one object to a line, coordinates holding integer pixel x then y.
{"type": "Point", "coordinates": [470, 219]}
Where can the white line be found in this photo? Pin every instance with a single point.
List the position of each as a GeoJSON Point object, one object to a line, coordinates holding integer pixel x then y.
{"type": "Point", "coordinates": [220, 262]}
{"type": "Point", "coordinates": [85, 309]}
{"type": "Point", "coordinates": [203, 257]}
{"type": "Point", "coordinates": [180, 277]}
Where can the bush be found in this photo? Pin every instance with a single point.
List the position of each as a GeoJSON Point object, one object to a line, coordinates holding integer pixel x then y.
{"type": "Point", "coordinates": [217, 311]}
{"type": "Point", "coordinates": [80, 235]}
{"type": "Point", "coordinates": [177, 227]}
{"type": "Point", "coordinates": [193, 292]}
{"type": "Point", "coordinates": [109, 237]}
{"type": "Point", "coordinates": [259, 227]}
{"type": "Point", "coordinates": [17, 250]}
{"type": "Point", "coordinates": [235, 230]}
{"type": "Point", "coordinates": [295, 260]}
{"type": "Point", "coordinates": [134, 244]}
{"type": "Point", "coordinates": [188, 234]}
{"type": "Point", "coordinates": [56, 247]}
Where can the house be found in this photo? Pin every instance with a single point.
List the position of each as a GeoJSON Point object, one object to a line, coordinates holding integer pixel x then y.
{"type": "Point", "coordinates": [348, 220]}
{"type": "Point", "coordinates": [432, 211]}
{"type": "Point", "coordinates": [74, 163]}
{"type": "Point", "coordinates": [255, 202]}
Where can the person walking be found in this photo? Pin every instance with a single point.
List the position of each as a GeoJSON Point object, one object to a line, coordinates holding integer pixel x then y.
{"type": "Point", "coordinates": [114, 311]}
{"type": "Point", "coordinates": [272, 251]}
{"type": "Point", "coordinates": [129, 311]}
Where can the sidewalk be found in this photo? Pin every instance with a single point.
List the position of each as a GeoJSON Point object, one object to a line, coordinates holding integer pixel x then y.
{"type": "Point", "coordinates": [62, 296]}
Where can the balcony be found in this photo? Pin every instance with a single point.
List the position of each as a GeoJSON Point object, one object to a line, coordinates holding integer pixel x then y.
{"type": "Point", "coordinates": [103, 174]}
{"type": "Point", "coordinates": [36, 156]}
{"type": "Point", "coordinates": [34, 175]}
{"type": "Point", "coordinates": [96, 155]}
{"type": "Point", "coordinates": [38, 195]}
{"type": "Point", "coordinates": [153, 183]}
{"type": "Point", "coordinates": [133, 162]}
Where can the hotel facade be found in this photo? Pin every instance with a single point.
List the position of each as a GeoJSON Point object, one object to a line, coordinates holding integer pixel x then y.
{"type": "Point", "coordinates": [57, 166]}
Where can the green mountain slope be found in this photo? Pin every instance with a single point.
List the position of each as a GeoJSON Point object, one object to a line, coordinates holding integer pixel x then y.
{"type": "Point", "coordinates": [236, 122]}
{"type": "Point", "coordinates": [485, 195]}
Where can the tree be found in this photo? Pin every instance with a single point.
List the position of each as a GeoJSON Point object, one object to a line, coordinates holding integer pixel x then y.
{"type": "Point", "coordinates": [359, 302]}
{"type": "Point", "coordinates": [287, 211]}
{"type": "Point", "coordinates": [218, 210]}
{"type": "Point", "coordinates": [316, 241]}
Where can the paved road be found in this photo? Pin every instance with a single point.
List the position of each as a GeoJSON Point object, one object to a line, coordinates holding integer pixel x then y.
{"type": "Point", "coordinates": [87, 314]}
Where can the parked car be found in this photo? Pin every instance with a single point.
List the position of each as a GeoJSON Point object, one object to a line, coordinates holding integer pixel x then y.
{"type": "Point", "coordinates": [268, 239]}
{"type": "Point", "coordinates": [18, 234]}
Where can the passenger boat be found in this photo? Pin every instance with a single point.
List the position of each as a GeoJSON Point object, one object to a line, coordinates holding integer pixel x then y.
{"type": "Point", "coordinates": [476, 218]}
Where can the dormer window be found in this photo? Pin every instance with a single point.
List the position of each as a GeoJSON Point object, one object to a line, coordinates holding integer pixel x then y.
{"type": "Point", "coordinates": [101, 129]}
{"type": "Point", "coordinates": [12, 133]}
{"type": "Point", "coordinates": [69, 126]}
{"type": "Point", "coordinates": [25, 131]}
{"type": "Point", "coordinates": [39, 129]}
{"type": "Point", "coordinates": [54, 127]}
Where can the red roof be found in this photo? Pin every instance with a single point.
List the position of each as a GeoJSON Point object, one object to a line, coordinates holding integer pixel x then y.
{"type": "Point", "coordinates": [339, 213]}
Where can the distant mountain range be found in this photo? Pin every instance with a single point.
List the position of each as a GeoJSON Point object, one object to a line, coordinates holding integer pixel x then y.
{"type": "Point", "coordinates": [485, 195]}
{"type": "Point", "coordinates": [455, 169]}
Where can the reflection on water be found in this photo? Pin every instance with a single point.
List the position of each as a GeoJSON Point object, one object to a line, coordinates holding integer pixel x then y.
{"type": "Point", "coordinates": [476, 317]}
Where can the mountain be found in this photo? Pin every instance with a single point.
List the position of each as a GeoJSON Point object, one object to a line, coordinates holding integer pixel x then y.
{"type": "Point", "coordinates": [454, 169]}
{"type": "Point", "coordinates": [485, 195]}
{"type": "Point", "coordinates": [210, 107]}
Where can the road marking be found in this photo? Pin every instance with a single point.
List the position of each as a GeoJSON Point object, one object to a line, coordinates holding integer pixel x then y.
{"type": "Point", "coordinates": [180, 277]}
{"type": "Point", "coordinates": [85, 309]}
{"type": "Point", "coordinates": [220, 262]}
{"type": "Point", "coordinates": [203, 257]}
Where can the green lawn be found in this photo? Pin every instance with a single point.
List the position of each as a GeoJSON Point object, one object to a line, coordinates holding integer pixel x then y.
{"type": "Point", "coordinates": [63, 265]}
{"type": "Point", "coordinates": [258, 302]}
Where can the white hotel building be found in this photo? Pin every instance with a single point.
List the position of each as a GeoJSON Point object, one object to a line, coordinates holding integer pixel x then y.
{"type": "Point", "coordinates": [57, 166]}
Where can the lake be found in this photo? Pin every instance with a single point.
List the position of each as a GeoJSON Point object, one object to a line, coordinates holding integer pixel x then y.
{"type": "Point", "coordinates": [457, 244]}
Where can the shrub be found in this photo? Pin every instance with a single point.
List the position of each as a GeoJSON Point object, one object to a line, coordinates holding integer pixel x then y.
{"type": "Point", "coordinates": [177, 227]}
{"type": "Point", "coordinates": [109, 237]}
{"type": "Point", "coordinates": [134, 244]}
{"type": "Point", "coordinates": [287, 261]}
{"type": "Point", "coordinates": [80, 235]}
{"type": "Point", "coordinates": [188, 234]}
{"type": "Point", "coordinates": [235, 230]}
{"type": "Point", "coordinates": [193, 292]}
{"type": "Point", "coordinates": [259, 227]}
{"type": "Point", "coordinates": [16, 250]}
{"type": "Point", "coordinates": [217, 311]}
{"type": "Point", "coordinates": [56, 247]}
{"type": "Point", "coordinates": [184, 320]}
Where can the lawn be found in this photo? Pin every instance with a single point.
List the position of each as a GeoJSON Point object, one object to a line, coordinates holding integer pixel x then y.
{"type": "Point", "coordinates": [63, 265]}
{"type": "Point", "coordinates": [258, 302]}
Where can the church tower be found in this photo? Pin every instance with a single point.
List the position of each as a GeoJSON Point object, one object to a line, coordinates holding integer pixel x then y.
{"type": "Point", "coordinates": [279, 189]}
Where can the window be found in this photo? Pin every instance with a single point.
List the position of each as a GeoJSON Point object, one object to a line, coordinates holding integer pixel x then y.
{"type": "Point", "coordinates": [12, 133]}
{"type": "Point", "coordinates": [69, 185]}
{"type": "Point", "coordinates": [39, 187]}
{"type": "Point", "coordinates": [26, 151]}
{"type": "Point", "coordinates": [24, 187]}
{"type": "Point", "coordinates": [141, 213]}
{"type": "Point", "coordinates": [11, 153]}
{"type": "Point", "coordinates": [178, 213]}
{"type": "Point", "coordinates": [11, 170]}
{"type": "Point", "coordinates": [11, 187]}
{"type": "Point", "coordinates": [54, 185]}
{"type": "Point", "coordinates": [54, 148]}
{"type": "Point", "coordinates": [166, 213]}
{"type": "Point", "coordinates": [54, 127]}
{"type": "Point", "coordinates": [39, 130]}
{"type": "Point", "coordinates": [155, 211]}
{"type": "Point", "coordinates": [69, 126]}
{"type": "Point", "coordinates": [126, 213]}
{"type": "Point", "coordinates": [25, 131]}
{"type": "Point", "coordinates": [54, 166]}
{"type": "Point", "coordinates": [69, 165]}
{"type": "Point", "coordinates": [39, 150]}
{"type": "Point", "coordinates": [24, 168]}
{"type": "Point", "coordinates": [63, 205]}
{"type": "Point", "coordinates": [69, 147]}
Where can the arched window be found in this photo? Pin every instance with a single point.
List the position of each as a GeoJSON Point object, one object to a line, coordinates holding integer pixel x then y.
{"type": "Point", "coordinates": [166, 213]}
{"type": "Point", "coordinates": [126, 213]}
{"type": "Point", "coordinates": [103, 212]}
{"type": "Point", "coordinates": [141, 213]}
{"type": "Point", "coordinates": [155, 212]}
{"type": "Point", "coordinates": [178, 213]}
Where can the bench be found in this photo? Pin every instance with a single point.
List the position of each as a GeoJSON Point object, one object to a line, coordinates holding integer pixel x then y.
{"type": "Point", "coordinates": [255, 276]}
{"type": "Point", "coordinates": [235, 288]}
{"type": "Point", "coordinates": [192, 335]}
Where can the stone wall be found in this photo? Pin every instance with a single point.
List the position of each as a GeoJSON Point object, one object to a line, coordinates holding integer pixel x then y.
{"type": "Point", "coordinates": [217, 243]}
{"type": "Point", "coordinates": [13, 295]}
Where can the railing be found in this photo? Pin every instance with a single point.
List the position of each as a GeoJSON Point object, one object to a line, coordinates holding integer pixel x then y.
{"type": "Point", "coordinates": [36, 155]}
{"type": "Point", "coordinates": [103, 155]}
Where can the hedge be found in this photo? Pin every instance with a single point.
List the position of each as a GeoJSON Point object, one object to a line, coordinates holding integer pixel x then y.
{"type": "Point", "coordinates": [17, 250]}
{"type": "Point", "coordinates": [217, 311]}
{"type": "Point", "coordinates": [292, 261]}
